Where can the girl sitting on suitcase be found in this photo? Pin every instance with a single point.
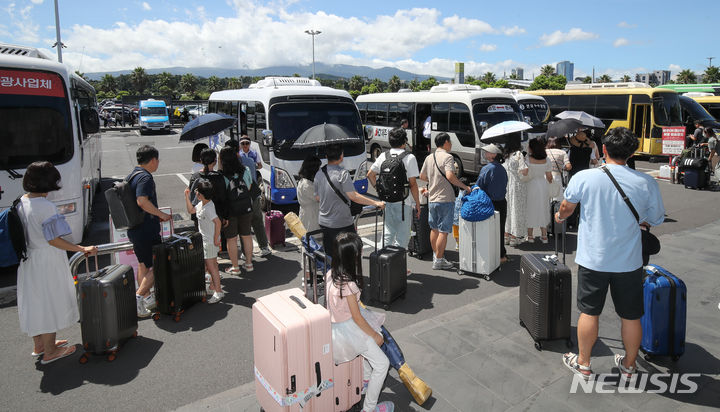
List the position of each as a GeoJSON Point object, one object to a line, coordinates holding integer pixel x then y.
{"type": "Point", "coordinates": [209, 224]}
{"type": "Point", "coordinates": [351, 334]}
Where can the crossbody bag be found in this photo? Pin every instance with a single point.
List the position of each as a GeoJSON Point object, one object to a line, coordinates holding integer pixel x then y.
{"type": "Point", "coordinates": [355, 208]}
{"type": "Point", "coordinates": [456, 189]}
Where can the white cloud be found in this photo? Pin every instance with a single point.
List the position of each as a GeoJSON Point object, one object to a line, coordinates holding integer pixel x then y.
{"type": "Point", "coordinates": [621, 41]}
{"type": "Point", "coordinates": [558, 37]}
{"type": "Point", "coordinates": [37, 1]}
{"type": "Point", "coordinates": [512, 31]}
{"type": "Point", "coordinates": [488, 47]}
{"type": "Point", "coordinates": [24, 29]}
{"type": "Point", "coordinates": [675, 68]}
{"type": "Point", "coordinates": [146, 6]}
{"type": "Point", "coordinates": [626, 25]}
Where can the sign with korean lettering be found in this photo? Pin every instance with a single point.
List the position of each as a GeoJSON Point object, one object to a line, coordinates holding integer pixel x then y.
{"type": "Point", "coordinates": [32, 83]}
{"type": "Point", "coordinates": [673, 140]}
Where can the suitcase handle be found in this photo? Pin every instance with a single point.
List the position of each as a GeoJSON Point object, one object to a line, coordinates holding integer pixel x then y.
{"type": "Point", "coordinates": [98, 271]}
{"type": "Point", "coordinates": [319, 376]}
{"type": "Point", "coordinates": [298, 301]}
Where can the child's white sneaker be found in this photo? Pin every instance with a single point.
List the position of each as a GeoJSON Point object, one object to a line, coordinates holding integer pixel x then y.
{"type": "Point", "coordinates": [216, 297]}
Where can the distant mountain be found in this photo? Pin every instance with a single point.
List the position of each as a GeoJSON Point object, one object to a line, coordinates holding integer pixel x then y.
{"type": "Point", "coordinates": [322, 70]}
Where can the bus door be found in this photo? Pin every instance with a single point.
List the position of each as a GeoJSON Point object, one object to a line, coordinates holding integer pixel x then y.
{"type": "Point", "coordinates": [421, 145]}
{"type": "Point", "coordinates": [641, 121]}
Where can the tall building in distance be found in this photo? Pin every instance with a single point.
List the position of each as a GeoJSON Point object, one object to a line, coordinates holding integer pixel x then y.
{"type": "Point", "coordinates": [519, 73]}
{"type": "Point", "coordinates": [566, 69]}
{"type": "Point", "coordinates": [459, 73]}
{"type": "Point", "coordinates": [656, 78]}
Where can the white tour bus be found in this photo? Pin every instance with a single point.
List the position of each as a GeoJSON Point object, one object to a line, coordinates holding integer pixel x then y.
{"type": "Point", "coordinates": [47, 112]}
{"type": "Point", "coordinates": [463, 111]}
{"type": "Point", "coordinates": [535, 112]}
{"type": "Point", "coordinates": [286, 107]}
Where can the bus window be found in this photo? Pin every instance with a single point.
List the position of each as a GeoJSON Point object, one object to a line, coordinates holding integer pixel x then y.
{"type": "Point", "coordinates": [666, 107]}
{"type": "Point", "coordinates": [234, 113]}
{"type": "Point", "coordinates": [557, 104]}
{"type": "Point", "coordinates": [440, 116]}
{"type": "Point", "coordinates": [250, 113]}
{"type": "Point", "coordinates": [399, 111]}
{"type": "Point", "coordinates": [582, 103]}
{"type": "Point", "coordinates": [460, 124]}
{"type": "Point", "coordinates": [362, 107]}
{"type": "Point", "coordinates": [611, 106]}
{"type": "Point", "coordinates": [377, 114]}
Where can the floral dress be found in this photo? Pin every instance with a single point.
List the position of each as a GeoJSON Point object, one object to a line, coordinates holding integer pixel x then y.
{"type": "Point", "coordinates": [516, 196]}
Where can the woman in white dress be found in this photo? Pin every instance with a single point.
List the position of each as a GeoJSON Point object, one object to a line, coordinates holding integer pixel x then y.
{"type": "Point", "coordinates": [46, 296]}
{"type": "Point", "coordinates": [558, 160]}
{"type": "Point", "coordinates": [309, 205]}
{"type": "Point", "coordinates": [538, 189]}
{"type": "Point", "coordinates": [516, 195]}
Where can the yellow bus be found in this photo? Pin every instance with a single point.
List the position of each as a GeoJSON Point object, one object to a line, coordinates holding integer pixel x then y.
{"type": "Point", "coordinates": [640, 108]}
{"type": "Point", "coordinates": [710, 102]}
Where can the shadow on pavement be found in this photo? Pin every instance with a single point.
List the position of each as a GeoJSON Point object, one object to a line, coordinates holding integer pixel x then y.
{"type": "Point", "coordinates": [197, 317]}
{"type": "Point", "coordinates": [267, 274]}
{"type": "Point", "coordinates": [68, 374]}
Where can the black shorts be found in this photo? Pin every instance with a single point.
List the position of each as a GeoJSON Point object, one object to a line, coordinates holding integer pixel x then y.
{"type": "Point", "coordinates": [626, 290]}
{"type": "Point", "coordinates": [143, 238]}
{"type": "Point", "coordinates": [238, 225]}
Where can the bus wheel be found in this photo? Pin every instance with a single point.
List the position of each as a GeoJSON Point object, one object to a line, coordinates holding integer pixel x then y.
{"type": "Point", "coordinates": [458, 167]}
{"type": "Point", "coordinates": [375, 151]}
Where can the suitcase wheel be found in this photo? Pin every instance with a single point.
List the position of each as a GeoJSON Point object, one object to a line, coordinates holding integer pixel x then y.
{"type": "Point", "coordinates": [538, 345]}
{"type": "Point", "coordinates": [386, 306]}
{"type": "Point", "coordinates": [134, 335]}
{"type": "Point", "coordinates": [461, 272]}
{"type": "Point", "coordinates": [203, 299]}
{"type": "Point", "coordinates": [177, 318]}
{"type": "Point", "coordinates": [569, 343]}
{"type": "Point", "coordinates": [522, 324]}
{"type": "Point", "coordinates": [83, 359]}
{"type": "Point", "coordinates": [111, 356]}
{"type": "Point", "coordinates": [156, 316]}
{"type": "Point", "coordinates": [675, 358]}
{"type": "Point", "coordinates": [486, 277]}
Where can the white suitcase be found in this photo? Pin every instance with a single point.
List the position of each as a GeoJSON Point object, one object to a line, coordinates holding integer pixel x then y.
{"type": "Point", "coordinates": [664, 172]}
{"type": "Point", "coordinates": [480, 246]}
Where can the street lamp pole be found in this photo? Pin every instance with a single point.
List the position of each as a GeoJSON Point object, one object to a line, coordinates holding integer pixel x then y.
{"type": "Point", "coordinates": [313, 33]}
{"type": "Point", "coordinates": [57, 32]}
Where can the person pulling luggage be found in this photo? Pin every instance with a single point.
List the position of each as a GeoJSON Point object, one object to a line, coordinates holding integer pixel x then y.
{"type": "Point", "coordinates": [493, 180]}
{"type": "Point", "coordinates": [394, 174]}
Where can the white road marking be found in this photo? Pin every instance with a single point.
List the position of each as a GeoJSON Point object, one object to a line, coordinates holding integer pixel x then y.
{"type": "Point", "coordinates": [183, 179]}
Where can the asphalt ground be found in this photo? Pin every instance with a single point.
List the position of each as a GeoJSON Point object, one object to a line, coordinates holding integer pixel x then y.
{"type": "Point", "coordinates": [210, 350]}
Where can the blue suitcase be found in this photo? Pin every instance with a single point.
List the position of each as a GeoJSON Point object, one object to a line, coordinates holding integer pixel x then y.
{"type": "Point", "coordinates": [663, 322]}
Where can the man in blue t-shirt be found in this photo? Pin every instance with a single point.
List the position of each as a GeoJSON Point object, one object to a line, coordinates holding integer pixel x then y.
{"type": "Point", "coordinates": [609, 251]}
{"type": "Point", "coordinates": [493, 180]}
{"type": "Point", "coordinates": [147, 234]}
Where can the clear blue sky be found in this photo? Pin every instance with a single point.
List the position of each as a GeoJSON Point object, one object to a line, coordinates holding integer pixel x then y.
{"type": "Point", "coordinates": [616, 37]}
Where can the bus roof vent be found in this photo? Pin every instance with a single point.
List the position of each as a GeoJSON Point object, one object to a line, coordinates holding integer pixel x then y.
{"type": "Point", "coordinates": [619, 85]}
{"type": "Point", "coordinates": [697, 94]}
{"type": "Point", "coordinates": [13, 50]}
{"type": "Point", "coordinates": [404, 91]}
{"type": "Point", "coordinates": [502, 90]}
{"type": "Point", "coordinates": [284, 82]}
{"type": "Point", "coordinates": [444, 88]}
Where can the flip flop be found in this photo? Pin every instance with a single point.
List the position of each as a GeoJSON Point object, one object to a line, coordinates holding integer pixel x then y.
{"type": "Point", "coordinates": [58, 344]}
{"type": "Point", "coordinates": [67, 352]}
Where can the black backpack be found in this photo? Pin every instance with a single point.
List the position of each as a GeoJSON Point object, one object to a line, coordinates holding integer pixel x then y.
{"type": "Point", "coordinates": [219, 185]}
{"type": "Point", "coordinates": [239, 201]}
{"type": "Point", "coordinates": [13, 247]}
{"type": "Point", "coordinates": [392, 182]}
{"type": "Point", "coordinates": [125, 212]}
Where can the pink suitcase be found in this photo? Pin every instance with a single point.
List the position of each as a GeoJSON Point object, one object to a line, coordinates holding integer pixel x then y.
{"type": "Point", "coordinates": [292, 344]}
{"type": "Point", "coordinates": [275, 227]}
{"type": "Point", "coordinates": [348, 384]}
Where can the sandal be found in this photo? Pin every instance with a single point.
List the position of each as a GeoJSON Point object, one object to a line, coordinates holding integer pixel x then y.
{"type": "Point", "coordinates": [233, 271]}
{"type": "Point", "coordinates": [628, 372]}
{"type": "Point", "coordinates": [570, 360]}
{"type": "Point", "coordinates": [544, 239]}
{"type": "Point", "coordinates": [58, 344]}
{"type": "Point", "coordinates": [65, 353]}
{"type": "Point", "coordinates": [248, 267]}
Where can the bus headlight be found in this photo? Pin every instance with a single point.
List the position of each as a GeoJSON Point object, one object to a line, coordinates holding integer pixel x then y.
{"type": "Point", "coordinates": [361, 172]}
{"type": "Point", "coordinates": [67, 208]}
{"type": "Point", "coordinates": [282, 179]}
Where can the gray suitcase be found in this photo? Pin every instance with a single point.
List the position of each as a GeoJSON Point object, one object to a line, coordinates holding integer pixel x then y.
{"type": "Point", "coordinates": [108, 313]}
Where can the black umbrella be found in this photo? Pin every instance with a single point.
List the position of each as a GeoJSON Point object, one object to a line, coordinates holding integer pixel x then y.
{"type": "Point", "coordinates": [325, 134]}
{"type": "Point", "coordinates": [206, 125]}
{"type": "Point", "coordinates": [563, 127]}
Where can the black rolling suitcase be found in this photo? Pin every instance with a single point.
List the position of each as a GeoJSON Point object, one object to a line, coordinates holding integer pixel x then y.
{"type": "Point", "coordinates": [419, 244]}
{"type": "Point", "coordinates": [179, 269]}
{"type": "Point", "coordinates": [388, 272]}
{"type": "Point", "coordinates": [554, 227]}
{"type": "Point", "coordinates": [545, 295]}
{"type": "Point", "coordinates": [108, 313]}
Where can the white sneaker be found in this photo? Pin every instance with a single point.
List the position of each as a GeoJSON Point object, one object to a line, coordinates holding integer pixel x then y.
{"type": "Point", "coordinates": [442, 263]}
{"type": "Point", "coordinates": [149, 302]}
{"type": "Point", "coordinates": [142, 311]}
{"type": "Point", "coordinates": [265, 251]}
{"type": "Point", "coordinates": [216, 297]}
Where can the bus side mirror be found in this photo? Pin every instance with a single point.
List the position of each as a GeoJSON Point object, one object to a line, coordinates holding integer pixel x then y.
{"type": "Point", "coordinates": [89, 121]}
{"type": "Point", "coordinates": [267, 138]}
{"type": "Point", "coordinates": [483, 126]}
{"type": "Point", "coordinates": [528, 120]}
{"type": "Point", "coordinates": [368, 132]}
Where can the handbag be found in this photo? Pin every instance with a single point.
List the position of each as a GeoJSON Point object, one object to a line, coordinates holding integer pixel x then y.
{"type": "Point", "coordinates": [650, 242]}
{"type": "Point", "coordinates": [476, 206]}
{"type": "Point", "coordinates": [355, 208]}
{"type": "Point", "coordinates": [456, 189]}
{"type": "Point", "coordinates": [561, 171]}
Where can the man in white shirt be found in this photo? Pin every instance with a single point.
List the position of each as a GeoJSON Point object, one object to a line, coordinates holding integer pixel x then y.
{"type": "Point", "coordinates": [398, 218]}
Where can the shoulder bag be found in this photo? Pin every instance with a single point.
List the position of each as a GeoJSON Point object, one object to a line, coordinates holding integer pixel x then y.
{"type": "Point", "coordinates": [650, 242]}
{"type": "Point", "coordinates": [455, 188]}
{"type": "Point", "coordinates": [355, 208]}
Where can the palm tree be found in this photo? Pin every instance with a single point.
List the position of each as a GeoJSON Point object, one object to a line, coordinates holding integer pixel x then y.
{"type": "Point", "coordinates": [711, 75]}
{"type": "Point", "coordinates": [414, 85]}
{"type": "Point", "coordinates": [604, 79]}
{"type": "Point", "coordinates": [108, 84]}
{"type": "Point", "coordinates": [488, 78]}
{"type": "Point", "coordinates": [625, 78]}
{"type": "Point", "coordinates": [214, 84]}
{"type": "Point", "coordinates": [547, 71]}
{"type": "Point", "coordinates": [686, 77]}
{"type": "Point", "coordinates": [587, 79]}
{"type": "Point", "coordinates": [139, 80]}
{"type": "Point", "coordinates": [188, 83]}
{"type": "Point", "coordinates": [356, 83]}
{"type": "Point", "coordinates": [394, 84]}
{"type": "Point", "coordinates": [234, 83]}
{"type": "Point", "coordinates": [80, 74]}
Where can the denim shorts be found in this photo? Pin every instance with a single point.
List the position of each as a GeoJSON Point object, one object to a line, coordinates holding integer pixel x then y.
{"type": "Point", "coordinates": [440, 216]}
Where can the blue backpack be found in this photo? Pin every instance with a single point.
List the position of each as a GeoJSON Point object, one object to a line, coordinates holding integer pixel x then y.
{"type": "Point", "coordinates": [477, 206]}
{"type": "Point", "coordinates": [13, 247]}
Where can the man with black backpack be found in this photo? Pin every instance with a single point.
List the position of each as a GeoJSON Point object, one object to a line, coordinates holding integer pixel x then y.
{"type": "Point", "coordinates": [394, 175]}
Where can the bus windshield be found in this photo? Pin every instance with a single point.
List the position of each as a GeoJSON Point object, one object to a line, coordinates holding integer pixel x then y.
{"type": "Point", "coordinates": [35, 122]}
{"type": "Point", "coordinates": [667, 109]}
{"type": "Point", "coordinates": [494, 113]}
{"type": "Point", "coordinates": [153, 111]}
{"type": "Point", "coordinates": [535, 111]}
{"type": "Point", "coordinates": [289, 120]}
